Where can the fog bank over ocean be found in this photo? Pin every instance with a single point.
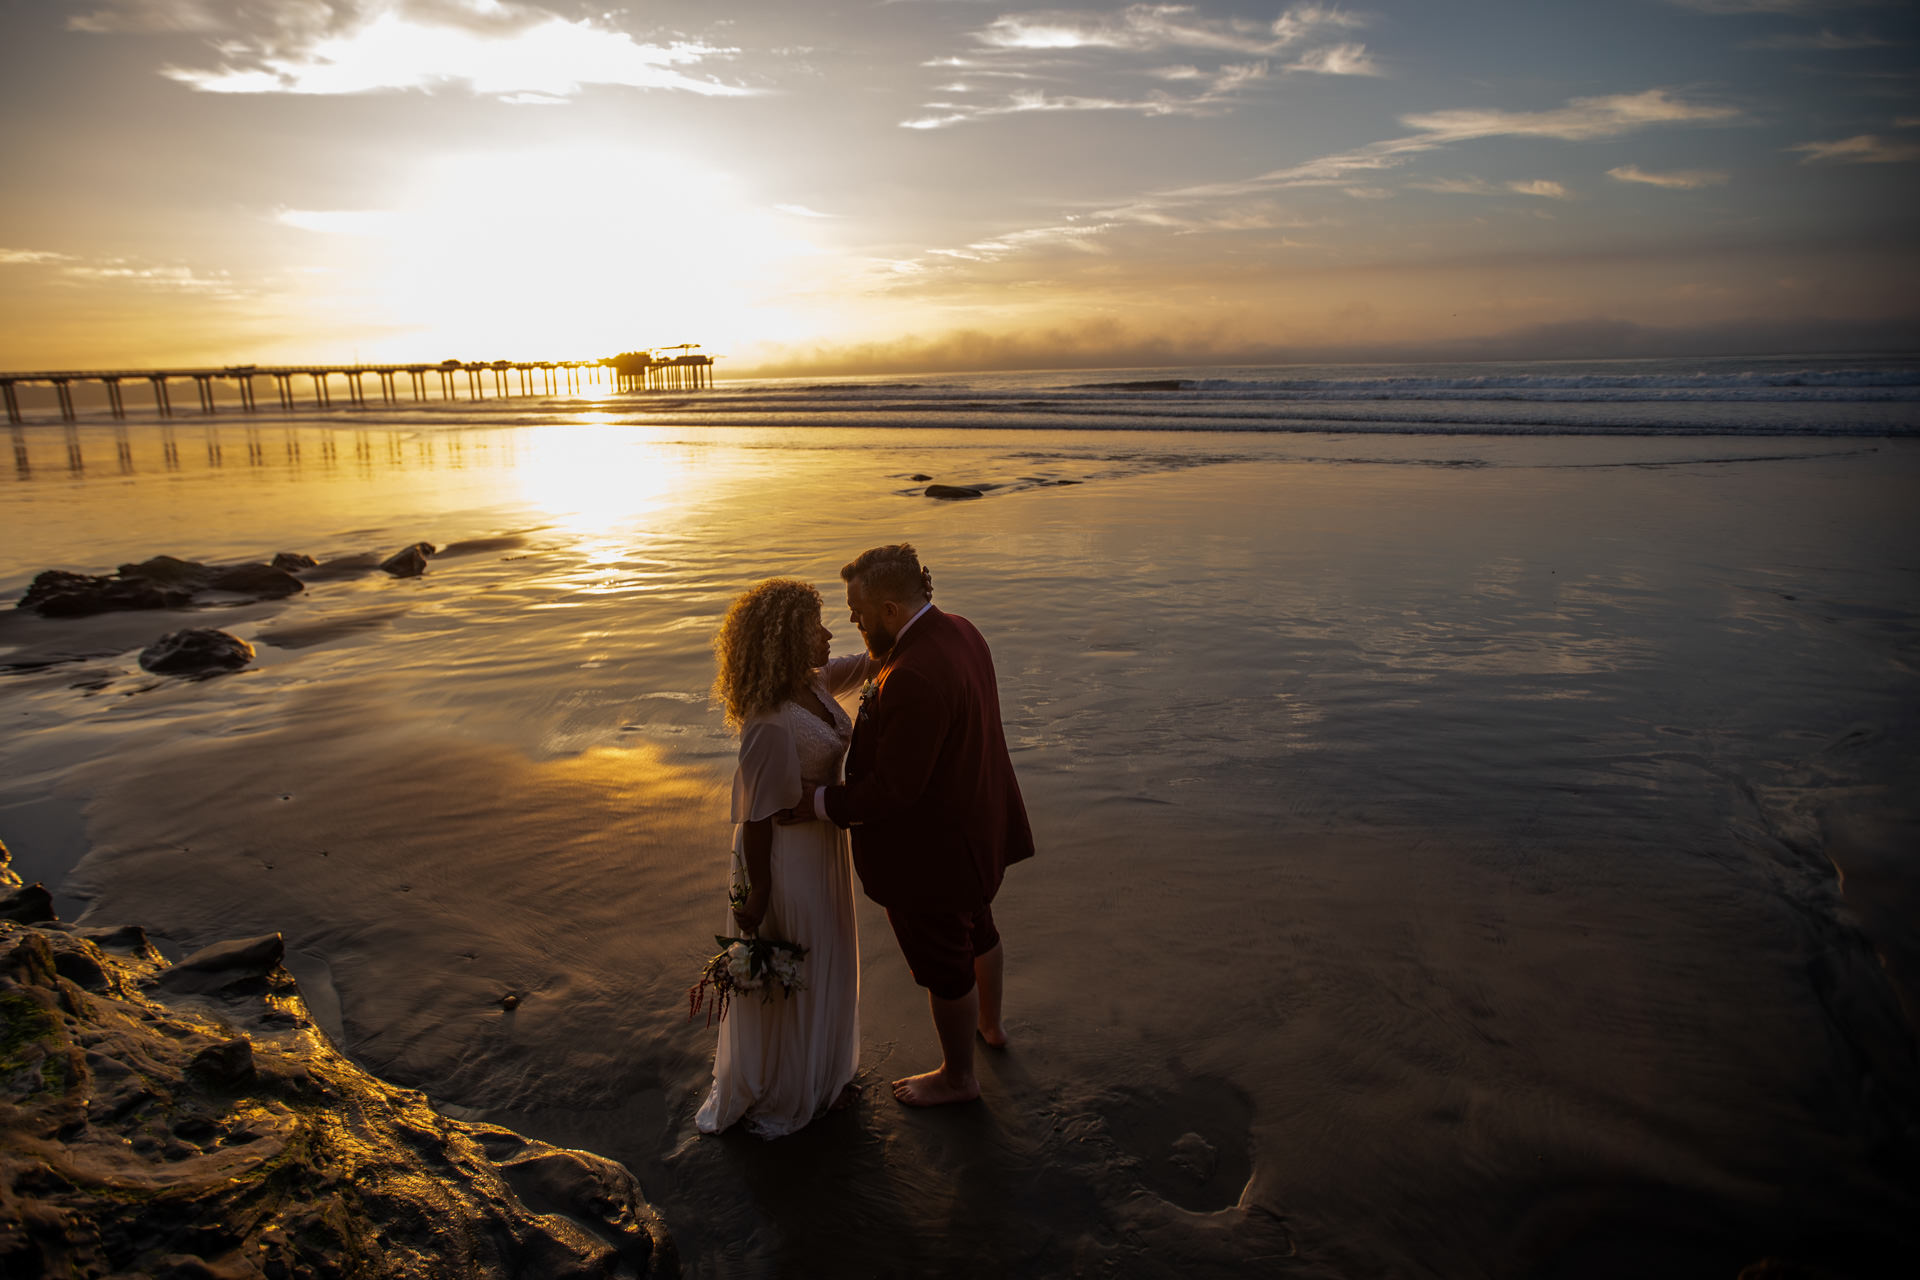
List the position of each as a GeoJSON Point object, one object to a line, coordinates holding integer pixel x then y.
{"type": "Point", "coordinates": [1476, 805]}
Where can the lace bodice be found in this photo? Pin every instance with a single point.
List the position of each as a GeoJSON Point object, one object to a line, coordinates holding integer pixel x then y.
{"type": "Point", "coordinates": [820, 748]}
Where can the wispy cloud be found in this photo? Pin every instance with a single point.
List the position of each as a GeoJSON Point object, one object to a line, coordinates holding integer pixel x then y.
{"type": "Point", "coordinates": [1225, 205]}
{"type": "Point", "coordinates": [801, 211]}
{"type": "Point", "coordinates": [1543, 187]}
{"type": "Point", "coordinates": [1069, 45]}
{"type": "Point", "coordinates": [1580, 120]}
{"type": "Point", "coordinates": [1338, 60]}
{"type": "Point", "coordinates": [517, 52]}
{"type": "Point", "coordinates": [30, 257]}
{"type": "Point", "coordinates": [1217, 89]}
{"type": "Point", "coordinates": [1157, 27]}
{"type": "Point", "coordinates": [1679, 180]}
{"type": "Point", "coordinates": [1865, 148]}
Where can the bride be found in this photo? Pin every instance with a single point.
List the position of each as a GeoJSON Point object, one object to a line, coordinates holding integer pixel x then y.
{"type": "Point", "coordinates": [782, 1062]}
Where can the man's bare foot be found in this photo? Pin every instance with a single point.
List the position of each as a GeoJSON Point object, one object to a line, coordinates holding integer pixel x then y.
{"type": "Point", "coordinates": [995, 1035]}
{"type": "Point", "coordinates": [846, 1098]}
{"type": "Point", "coordinates": [933, 1089]}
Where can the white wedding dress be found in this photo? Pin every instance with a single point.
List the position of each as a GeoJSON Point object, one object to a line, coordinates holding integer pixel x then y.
{"type": "Point", "coordinates": [782, 1062]}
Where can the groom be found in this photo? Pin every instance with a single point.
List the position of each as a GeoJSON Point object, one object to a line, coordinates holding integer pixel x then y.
{"type": "Point", "coordinates": [933, 804]}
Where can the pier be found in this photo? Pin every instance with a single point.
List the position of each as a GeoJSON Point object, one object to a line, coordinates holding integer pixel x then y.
{"type": "Point", "coordinates": [629, 371]}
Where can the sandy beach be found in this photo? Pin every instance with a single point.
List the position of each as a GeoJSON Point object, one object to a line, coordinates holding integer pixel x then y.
{"type": "Point", "coordinates": [1458, 856]}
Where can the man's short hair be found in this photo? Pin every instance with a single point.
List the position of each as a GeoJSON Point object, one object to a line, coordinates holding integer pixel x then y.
{"type": "Point", "coordinates": [892, 573]}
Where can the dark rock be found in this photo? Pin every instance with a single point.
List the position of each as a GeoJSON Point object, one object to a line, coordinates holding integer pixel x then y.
{"type": "Point", "coordinates": [29, 904]}
{"type": "Point", "coordinates": [509, 1002]}
{"type": "Point", "coordinates": [163, 582]}
{"type": "Point", "coordinates": [129, 939]}
{"type": "Point", "coordinates": [408, 562]}
{"type": "Point", "coordinates": [1059, 482]}
{"type": "Point", "coordinates": [919, 479]}
{"type": "Point", "coordinates": [56, 593]}
{"type": "Point", "coordinates": [294, 561]}
{"type": "Point", "coordinates": [224, 1065]}
{"type": "Point", "coordinates": [952, 491]}
{"type": "Point", "coordinates": [226, 964]}
{"type": "Point", "coordinates": [81, 969]}
{"type": "Point", "coordinates": [196, 651]}
{"type": "Point", "coordinates": [167, 571]}
{"type": "Point", "coordinates": [261, 581]}
{"type": "Point", "coordinates": [131, 1144]}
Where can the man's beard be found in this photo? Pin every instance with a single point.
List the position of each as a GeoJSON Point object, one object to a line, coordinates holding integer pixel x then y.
{"type": "Point", "coordinates": [879, 640]}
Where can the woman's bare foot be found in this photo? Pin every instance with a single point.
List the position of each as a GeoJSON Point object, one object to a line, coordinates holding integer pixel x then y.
{"type": "Point", "coordinates": [933, 1089]}
{"type": "Point", "coordinates": [846, 1098]}
{"type": "Point", "coordinates": [995, 1035]}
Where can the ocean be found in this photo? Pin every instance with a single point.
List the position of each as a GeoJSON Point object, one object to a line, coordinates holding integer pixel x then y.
{"type": "Point", "coordinates": [1476, 803]}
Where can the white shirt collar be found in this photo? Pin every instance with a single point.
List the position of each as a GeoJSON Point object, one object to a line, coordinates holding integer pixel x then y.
{"type": "Point", "coordinates": [910, 621]}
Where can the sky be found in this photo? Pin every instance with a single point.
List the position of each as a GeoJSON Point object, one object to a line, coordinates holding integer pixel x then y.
{"type": "Point", "coordinates": [878, 187]}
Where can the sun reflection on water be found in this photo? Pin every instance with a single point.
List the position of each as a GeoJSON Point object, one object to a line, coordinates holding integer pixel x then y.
{"type": "Point", "coordinates": [601, 483]}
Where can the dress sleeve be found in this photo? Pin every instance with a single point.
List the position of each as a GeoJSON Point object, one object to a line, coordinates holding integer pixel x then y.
{"type": "Point", "coordinates": [768, 777]}
{"type": "Point", "coordinates": [847, 673]}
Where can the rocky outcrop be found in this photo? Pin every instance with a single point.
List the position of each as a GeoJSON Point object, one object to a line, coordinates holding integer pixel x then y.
{"type": "Point", "coordinates": [191, 1120]}
{"type": "Point", "coordinates": [168, 582]}
{"type": "Point", "coordinates": [953, 491]}
{"type": "Point", "coordinates": [408, 562]}
{"type": "Point", "coordinates": [162, 582]}
{"type": "Point", "coordinates": [197, 651]}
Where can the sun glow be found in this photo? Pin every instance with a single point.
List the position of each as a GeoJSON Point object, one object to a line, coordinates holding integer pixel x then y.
{"type": "Point", "coordinates": [569, 254]}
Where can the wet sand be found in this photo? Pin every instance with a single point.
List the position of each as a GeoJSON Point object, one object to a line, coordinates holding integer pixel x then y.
{"type": "Point", "coordinates": [1438, 851]}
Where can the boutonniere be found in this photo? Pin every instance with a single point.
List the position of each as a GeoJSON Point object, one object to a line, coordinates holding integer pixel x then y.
{"type": "Point", "coordinates": [868, 692]}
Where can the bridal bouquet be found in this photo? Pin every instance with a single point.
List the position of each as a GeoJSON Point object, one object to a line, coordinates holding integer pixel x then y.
{"type": "Point", "coordinates": [766, 965]}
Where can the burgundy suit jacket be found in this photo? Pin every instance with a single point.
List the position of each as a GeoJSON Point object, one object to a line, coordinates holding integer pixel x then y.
{"type": "Point", "coordinates": [935, 810]}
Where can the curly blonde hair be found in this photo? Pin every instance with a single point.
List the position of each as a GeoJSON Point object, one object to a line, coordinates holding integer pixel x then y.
{"type": "Point", "coordinates": [763, 647]}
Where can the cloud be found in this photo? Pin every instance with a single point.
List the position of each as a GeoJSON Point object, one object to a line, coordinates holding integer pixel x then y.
{"type": "Point", "coordinates": [1865, 148]}
{"type": "Point", "coordinates": [1356, 172]}
{"type": "Point", "coordinates": [1826, 41]}
{"type": "Point", "coordinates": [152, 17]}
{"type": "Point", "coordinates": [1155, 27]}
{"type": "Point", "coordinates": [1338, 60]}
{"type": "Point", "coordinates": [517, 52]}
{"type": "Point", "coordinates": [1219, 88]}
{"type": "Point", "coordinates": [801, 211]}
{"type": "Point", "coordinates": [30, 257]}
{"type": "Point", "coordinates": [1580, 120]}
{"type": "Point", "coordinates": [1542, 187]}
{"type": "Point", "coordinates": [1680, 180]}
{"type": "Point", "coordinates": [1060, 44]}
{"type": "Point", "coordinates": [123, 271]}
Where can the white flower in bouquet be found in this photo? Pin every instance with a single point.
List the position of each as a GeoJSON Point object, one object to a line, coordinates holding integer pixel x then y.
{"type": "Point", "coordinates": [740, 966]}
{"type": "Point", "coordinates": [766, 965]}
